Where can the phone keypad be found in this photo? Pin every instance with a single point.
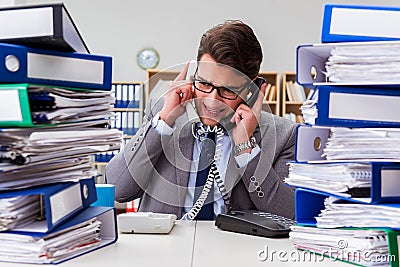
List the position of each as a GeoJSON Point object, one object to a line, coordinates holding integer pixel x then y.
{"type": "Point", "coordinates": [280, 219]}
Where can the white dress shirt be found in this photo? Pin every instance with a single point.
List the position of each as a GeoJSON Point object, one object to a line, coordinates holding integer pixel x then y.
{"type": "Point", "coordinates": [162, 128]}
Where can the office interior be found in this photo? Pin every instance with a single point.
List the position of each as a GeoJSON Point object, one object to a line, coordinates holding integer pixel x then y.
{"type": "Point", "coordinates": [120, 29]}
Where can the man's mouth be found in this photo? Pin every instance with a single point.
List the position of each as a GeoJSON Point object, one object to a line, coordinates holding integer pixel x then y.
{"type": "Point", "coordinates": [213, 112]}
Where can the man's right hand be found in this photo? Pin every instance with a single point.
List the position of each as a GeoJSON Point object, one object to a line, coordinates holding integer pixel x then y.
{"type": "Point", "coordinates": [179, 93]}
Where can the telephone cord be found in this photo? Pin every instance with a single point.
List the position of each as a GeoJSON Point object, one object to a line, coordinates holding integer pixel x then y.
{"type": "Point", "coordinates": [212, 175]}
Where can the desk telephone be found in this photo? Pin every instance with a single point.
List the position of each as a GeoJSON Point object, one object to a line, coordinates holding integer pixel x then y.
{"type": "Point", "coordinates": [254, 222]}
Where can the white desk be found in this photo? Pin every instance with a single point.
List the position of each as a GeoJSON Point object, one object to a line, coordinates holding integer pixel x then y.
{"type": "Point", "coordinates": [189, 244]}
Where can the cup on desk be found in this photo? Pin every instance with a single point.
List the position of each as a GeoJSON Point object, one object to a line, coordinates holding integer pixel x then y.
{"type": "Point", "coordinates": [105, 195]}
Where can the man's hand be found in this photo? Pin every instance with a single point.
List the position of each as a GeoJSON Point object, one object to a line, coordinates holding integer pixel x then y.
{"type": "Point", "coordinates": [179, 93]}
{"type": "Point", "coordinates": [246, 119]}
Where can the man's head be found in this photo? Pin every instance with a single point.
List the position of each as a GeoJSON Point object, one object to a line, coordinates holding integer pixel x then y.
{"type": "Point", "coordinates": [234, 44]}
{"type": "Point", "coordinates": [229, 56]}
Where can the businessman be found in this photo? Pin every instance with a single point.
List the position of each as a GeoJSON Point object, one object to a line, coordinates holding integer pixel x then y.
{"type": "Point", "coordinates": [207, 147]}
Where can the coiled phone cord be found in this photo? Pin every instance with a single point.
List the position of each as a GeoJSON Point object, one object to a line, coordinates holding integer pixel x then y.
{"type": "Point", "coordinates": [212, 175]}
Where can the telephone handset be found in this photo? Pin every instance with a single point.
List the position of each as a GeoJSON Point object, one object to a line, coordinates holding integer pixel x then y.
{"type": "Point", "coordinates": [253, 95]}
{"type": "Point", "coordinates": [255, 90]}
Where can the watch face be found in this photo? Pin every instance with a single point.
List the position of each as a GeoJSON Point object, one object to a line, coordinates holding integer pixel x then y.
{"type": "Point", "coordinates": [147, 58]}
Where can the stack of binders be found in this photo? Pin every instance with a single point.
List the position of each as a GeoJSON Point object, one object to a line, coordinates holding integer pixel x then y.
{"type": "Point", "coordinates": [347, 154]}
{"type": "Point", "coordinates": [55, 108]}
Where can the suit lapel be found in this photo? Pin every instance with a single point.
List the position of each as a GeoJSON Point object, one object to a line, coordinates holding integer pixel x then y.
{"type": "Point", "coordinates": [183, 155]}
{"type": "Point", "coordinates": [233, 172]}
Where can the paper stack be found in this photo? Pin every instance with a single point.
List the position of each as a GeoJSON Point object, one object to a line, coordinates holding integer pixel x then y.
{"type": "Point", "coordinates": [347, 164]}
{"type": "Point", "coordinates": [55, 111]}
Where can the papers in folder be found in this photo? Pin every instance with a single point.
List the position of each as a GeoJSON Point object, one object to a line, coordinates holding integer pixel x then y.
{"type": "Point", "coordinates": [93, 228]}
{"type": "Point", "coordinates": [366, 64]}
{"type": "Point", "coordinates": [41, 145]}
{"type": "Point", "coordinates": [18, 211]}
{"type": "Point", "coordinates": [51, 171]}
{"type": "Point", "coordinates": [345, 179]}
{"type": "Point", "coordinates": [53, 247]}
{"type": "Point", "coordinates": [57, 105]}
{"type": "Point", "coordinates": [369, 247]}
{"type": "Point", "coordinates": [35, 156]}
{"type": "Point", "coordinates": [309, 109]}
{"type": "Point", "coordinates": [363, 143]}
{"type": "Point", "coordinates": [345, 214]}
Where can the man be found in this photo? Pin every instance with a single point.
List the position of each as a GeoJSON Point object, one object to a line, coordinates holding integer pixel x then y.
{"type": "Point", "coordinates": [161, 165]}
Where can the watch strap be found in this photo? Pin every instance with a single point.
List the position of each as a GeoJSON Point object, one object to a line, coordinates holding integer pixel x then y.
{"type": "Point", "coordinates": [245, 145]}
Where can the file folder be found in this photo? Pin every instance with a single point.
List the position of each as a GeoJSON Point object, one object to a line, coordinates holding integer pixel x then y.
{"type": "Point", "coordinates": [385, 184]}
{"type": "Point", "coordinates": [60, 202]}
{"type": "Point", "coordinates": [108, 234]}
{"type": "Point", "coordinates": [47, 26]}
{"type": "Point", "coordinates": [310, 142]}
{"type": "Point", "coordinates": [310, 203]}
{"type": "Point", "coordinates": [346, 144]}
{"type": "Point", "coordinates": [358, 106]}
{"type": "Point", "coordinates": [311, 59]}
{"type": "Point", "coordinates": [29, 105]}
{"type": "Point", "coordinates": [20, 64]}
{"type": "Point", "coordinates": [358, 23]}
{"type": "Point", "coordinates": [367, 246]}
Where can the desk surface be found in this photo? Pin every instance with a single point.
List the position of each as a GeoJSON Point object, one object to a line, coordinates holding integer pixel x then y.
{"type": "Point", "coordinates": [193, 244]}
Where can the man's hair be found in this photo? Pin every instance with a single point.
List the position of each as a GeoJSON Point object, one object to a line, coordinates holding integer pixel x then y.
{"type": "Point", "coordinates": [233, 43]}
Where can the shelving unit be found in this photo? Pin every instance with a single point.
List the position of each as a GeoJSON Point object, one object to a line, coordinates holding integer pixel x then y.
{"type": "Point", "coordinates": [272, 101]}
{"type": "Point", "coordinates": [291, 107]}
{"type": "Point", "coordinates": [154, 76]}
{"type": "Point", "coordinates": [129, 109]}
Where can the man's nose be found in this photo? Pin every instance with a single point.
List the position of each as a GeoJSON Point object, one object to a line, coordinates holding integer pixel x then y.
{"type": "Point", "coordinates": [214, 94]}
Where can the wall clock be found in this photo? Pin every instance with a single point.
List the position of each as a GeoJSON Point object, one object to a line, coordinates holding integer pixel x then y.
{"type": "Point", "coordinates": [147, 58]}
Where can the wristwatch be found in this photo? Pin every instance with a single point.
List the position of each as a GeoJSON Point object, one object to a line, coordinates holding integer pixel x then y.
{"type": "Point", "coordinates": [245, 145]}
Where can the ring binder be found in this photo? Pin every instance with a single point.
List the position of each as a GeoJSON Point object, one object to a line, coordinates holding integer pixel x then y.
{"type": "Point", "coordinates": [57, 203]}
{"type": "Point", "coordinates": [22, 64]}
{"type": "Point", "coordinates": [358, 23]}
{"type": "Point", "coordinates": [47, 26]}
{"type": "Point", "coordinates": [33, 103]}
{"type": "Point", "coordinates": [378, 185]}
{"type": "Point", "coordinates": [91, 229]}
{"type": "Point", "coordinates": [350, 106]}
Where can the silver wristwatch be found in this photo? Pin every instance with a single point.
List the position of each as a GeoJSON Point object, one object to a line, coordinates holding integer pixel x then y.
{"type": "Point", "coordinates": [245, 145]}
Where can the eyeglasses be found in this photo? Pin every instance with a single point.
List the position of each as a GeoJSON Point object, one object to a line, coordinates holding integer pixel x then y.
{"type": "Point", "coordinates": [224, 92]}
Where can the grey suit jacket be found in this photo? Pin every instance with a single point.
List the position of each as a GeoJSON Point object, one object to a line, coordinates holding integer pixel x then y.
{"type": "Point", "coordinates": [156, 168]}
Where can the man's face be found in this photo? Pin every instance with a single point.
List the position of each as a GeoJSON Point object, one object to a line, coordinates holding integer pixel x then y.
{"type": "Point", "coordinates": [211, 107]}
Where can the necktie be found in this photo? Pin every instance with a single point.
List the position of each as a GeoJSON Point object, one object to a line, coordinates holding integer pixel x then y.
{"type": "Point", "coordinates": [206, 157]}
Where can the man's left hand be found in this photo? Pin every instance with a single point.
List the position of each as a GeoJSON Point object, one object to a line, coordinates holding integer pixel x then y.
{"type": "Point", "coordinates": [246, 119]}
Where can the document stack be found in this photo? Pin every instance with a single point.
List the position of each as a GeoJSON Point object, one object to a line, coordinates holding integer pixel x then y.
{"type": "Point", "coordinates": [55, 108]}
{"type": "Point", "coordinates": [347, 154]}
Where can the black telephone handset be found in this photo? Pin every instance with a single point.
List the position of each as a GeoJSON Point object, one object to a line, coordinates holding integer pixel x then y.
{"type": "Point", "coordinates": [255, 90]}
{"type": "Point", "coordinates": [253, 95]}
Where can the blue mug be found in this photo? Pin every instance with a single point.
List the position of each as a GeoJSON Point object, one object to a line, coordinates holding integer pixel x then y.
{"type": "Point", "coordinates": [105, 195]}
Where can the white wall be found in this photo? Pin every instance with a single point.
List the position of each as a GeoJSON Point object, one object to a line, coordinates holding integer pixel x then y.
{"type": "Point", "coordinates": [121, 28]}
{"type": "Point", "coordinates": [6, 3]}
